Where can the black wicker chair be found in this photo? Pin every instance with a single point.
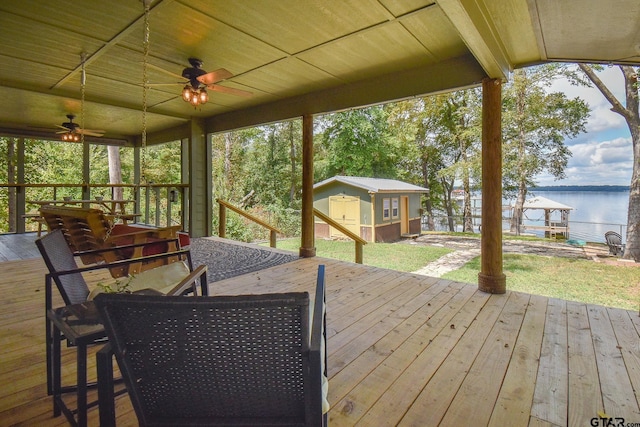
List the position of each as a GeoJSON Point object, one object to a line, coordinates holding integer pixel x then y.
{"type": "Point", "coordinates": [614, 241]}
{"type": "Point", "coordinates": [226, 360]}
{"type": "Point", "coordinates": [70, 282]}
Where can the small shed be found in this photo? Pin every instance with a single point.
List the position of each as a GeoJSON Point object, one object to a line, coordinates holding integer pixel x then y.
{"type": "Point", "coordinates": [378, 210]}
{"type": "Point", "coordinates": [554, 226]}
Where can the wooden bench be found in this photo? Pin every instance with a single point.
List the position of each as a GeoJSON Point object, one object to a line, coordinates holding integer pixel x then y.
{"type": "Point", "coordinates": [87, 229]}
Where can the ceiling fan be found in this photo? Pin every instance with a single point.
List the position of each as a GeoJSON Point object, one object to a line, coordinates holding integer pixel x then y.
{"type": "Point", "coordinates": [72, 128]}
{"type": "Point", "coordinates": [198, 81]}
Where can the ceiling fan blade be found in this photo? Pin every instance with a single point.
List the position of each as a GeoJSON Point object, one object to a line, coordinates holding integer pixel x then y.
{"type": "Point", "coordinates": [229, 90]}
{"type": "Point", "coordinates": [155, 67]}
{"type": "Point", "coordinates": [215, 76]}
{"type": "Point", "coordinates": [167, 84]}
{"type": "Point", "coordinates": [90, 132]}
{"type": "Point", "coordinates": [62, 127]}
{"type": "Point", "coordinates": [62, 131]}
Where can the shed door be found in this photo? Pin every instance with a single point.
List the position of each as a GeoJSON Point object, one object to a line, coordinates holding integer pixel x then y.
{"type": "Point", "coordinates": [404, 215]}
{"type": "Point", "coordinates": [345, 210]}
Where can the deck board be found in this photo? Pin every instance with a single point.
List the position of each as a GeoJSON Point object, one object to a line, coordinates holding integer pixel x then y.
{"type": "Point", "coordinates": [617, 393]}
{"type": "Point", "coordinates": [513, 404]}
{"type": "Point", "coordinates": [403, 349]}
{"type": "Point", "coordinates": [584, 383]}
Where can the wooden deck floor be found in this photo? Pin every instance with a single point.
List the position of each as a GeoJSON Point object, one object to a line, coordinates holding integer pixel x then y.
{"type": "Point", "coordinates": [403, 350]}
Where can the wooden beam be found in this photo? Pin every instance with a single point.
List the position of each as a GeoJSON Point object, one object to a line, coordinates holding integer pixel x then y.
{"type": "Point", "coordinates": [475, 26]}
{"type": "Point", "coordinates": [491, 279]}
{"type": "Point", "coordinates": [451, 74]}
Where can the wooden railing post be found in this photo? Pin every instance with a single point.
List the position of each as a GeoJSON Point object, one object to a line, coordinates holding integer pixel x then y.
{"type": "Point", "coordinates": [359, 252]}
{"type": "Point", "coordinates": [222, 221]}
{"type": "Point", "coordinates": [359, 241]}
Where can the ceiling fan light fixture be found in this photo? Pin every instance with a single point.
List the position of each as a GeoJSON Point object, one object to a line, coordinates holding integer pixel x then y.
{"type": "Point", "coordinates": [203, 96]}
{"type": "Point", "coordinates": [70, 137]}
{"type": "Point", "coordinates": [195, 99]}
{"type": "Point", "coordinates": [187, 93]}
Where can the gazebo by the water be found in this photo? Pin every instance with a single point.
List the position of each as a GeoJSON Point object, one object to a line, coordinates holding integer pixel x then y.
{"type": "Point", "coordinates": [553, 227]}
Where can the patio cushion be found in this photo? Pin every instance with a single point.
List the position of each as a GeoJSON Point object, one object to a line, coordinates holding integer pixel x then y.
{"type": "Point", "coordinates": [162, 279]}
{"type": "Point", "coordinates": [150, 249]}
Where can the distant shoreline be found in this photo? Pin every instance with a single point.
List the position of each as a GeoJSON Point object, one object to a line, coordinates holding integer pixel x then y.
{"type": "Point", "coordinates": [603, 188]}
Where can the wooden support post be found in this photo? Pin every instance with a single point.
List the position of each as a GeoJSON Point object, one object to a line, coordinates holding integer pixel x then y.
{"type": "Point", "coordinates": [491, 278]}
{"type": "Point", "coordinates": [200, 180]}
{"type": "Point", "coordinates": [272, 238]}
{"type": "Point", "coordinates": [307, 244]}
{"type": "Point", "coordinates": [222, 221]}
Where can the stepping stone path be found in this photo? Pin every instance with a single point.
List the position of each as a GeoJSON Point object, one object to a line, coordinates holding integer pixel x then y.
{"type": "Point", "coordinates": [467, 248]}
{"type": "Point", "coordinates": [449, 262]}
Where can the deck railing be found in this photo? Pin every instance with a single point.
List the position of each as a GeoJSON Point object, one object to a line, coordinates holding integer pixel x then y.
{"type": "Point", "coordinates": [359, 241]}
{"type": "Point", "coordinates": [578, 230]}
{"type": "Point", "coordinates": [157, 204]}
{"type": "Point", "coordinates": [222, 221]}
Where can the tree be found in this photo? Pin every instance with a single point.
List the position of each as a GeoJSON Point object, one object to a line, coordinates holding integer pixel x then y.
{"type": "Point", "coordinates": [444, 133]}
{"type": "Point", "coordinates": [357, 143]}
{"type": "Point", "coordinates": [274, 163]}
{"type": "Point", "coordinates": [535, 124]}
{"type": "Point", "coordinates": [630, 111]}
{"type": "Point", "coordinates": [460, 124]}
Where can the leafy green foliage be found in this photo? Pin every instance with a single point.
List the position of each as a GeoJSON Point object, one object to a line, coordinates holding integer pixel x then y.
{"type": "Point", "coordinates": [535, 125]}
{"type": "Point", "coordinates": [357, 143]}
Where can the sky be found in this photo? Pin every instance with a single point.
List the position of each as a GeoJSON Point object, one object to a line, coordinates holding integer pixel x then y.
{"type": "Point", "coordinates": [603, 155]}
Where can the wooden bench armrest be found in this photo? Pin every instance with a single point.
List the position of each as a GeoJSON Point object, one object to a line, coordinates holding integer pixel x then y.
{"type": "Point", "coordinates": [189, 283]}
{"type": "Point", "coordinates": [181, 253]}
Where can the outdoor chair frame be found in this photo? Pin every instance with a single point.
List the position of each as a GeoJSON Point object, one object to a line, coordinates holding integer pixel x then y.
{"type": "Point", "coordinates": [224, 360]}
{"type": "Point", "coordinates": [65, 273]}
{"type": "Point", "coordinates": [614, 241]}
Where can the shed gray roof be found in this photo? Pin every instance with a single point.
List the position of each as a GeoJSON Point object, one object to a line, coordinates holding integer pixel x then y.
{"type": "Point", "coordinates": [374, 185]}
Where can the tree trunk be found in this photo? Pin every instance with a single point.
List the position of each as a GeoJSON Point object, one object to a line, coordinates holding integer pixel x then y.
{"type": "Point", "coordinates": [631, 113]}
{"type": "Point", "coordinates": [632, 248]}
{"type": "Point", "coordinates": [448, 204]}
{"type": "Point", "coordinates": [228, 143]}
{"type": "Point", "coordinates": [115, 172]}
{"type": "Point", "coordinates": [467, 223]}
{"type": "Point", "coordinates": [518, 209]}
{"type": "Point", "coordinates": [428, 203]}
{"type": "Point", "coordinates": [516, 218]}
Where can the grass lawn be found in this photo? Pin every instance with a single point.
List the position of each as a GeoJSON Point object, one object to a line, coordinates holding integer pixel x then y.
{"type": "Point", "coordinates": [564, 278]}
{"type": "Point", "coordinates": [384, 255]}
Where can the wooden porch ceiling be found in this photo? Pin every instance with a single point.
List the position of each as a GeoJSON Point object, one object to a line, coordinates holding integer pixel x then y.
{"type": "Point", "coordinates": [403, 349]}
{"type": "Point", "coordinates": [297, 57]}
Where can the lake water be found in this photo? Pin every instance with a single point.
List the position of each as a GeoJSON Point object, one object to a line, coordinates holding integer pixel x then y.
{"type": "Point", "coordinates": [593, 214]}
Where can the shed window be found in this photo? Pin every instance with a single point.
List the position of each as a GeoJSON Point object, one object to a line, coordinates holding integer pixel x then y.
{"type": "Point", "coordinates": [394, 208]}
{"type": "Point", "coordinates": [386, 209]}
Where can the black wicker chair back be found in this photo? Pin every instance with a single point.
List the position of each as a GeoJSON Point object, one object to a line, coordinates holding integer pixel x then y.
{"type": "Point", "coordinates": [232, 360]}
{"type": "Point", "coordinates": [58, 257]}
